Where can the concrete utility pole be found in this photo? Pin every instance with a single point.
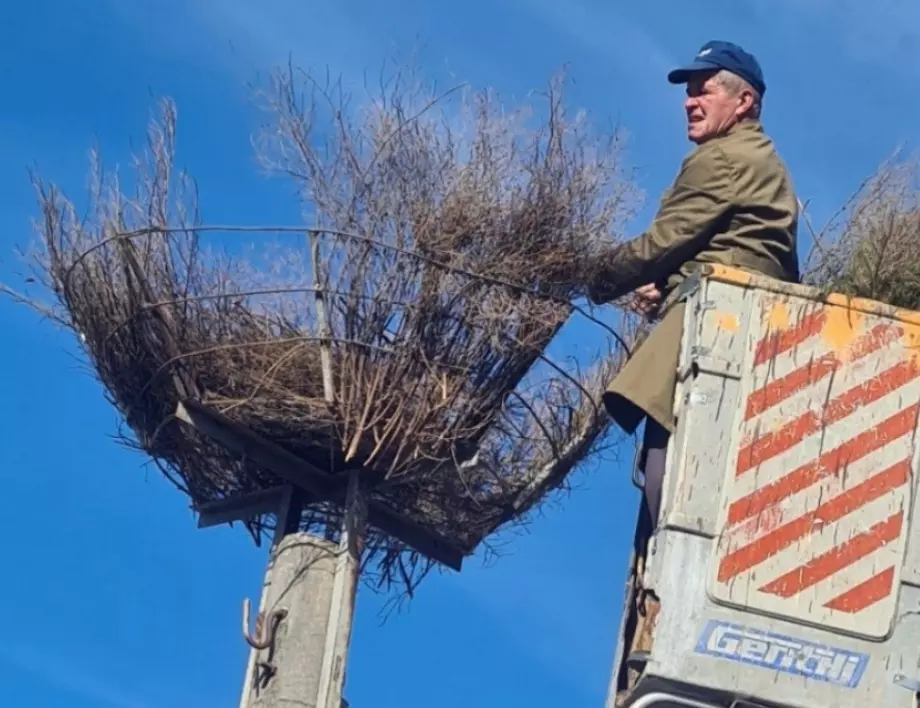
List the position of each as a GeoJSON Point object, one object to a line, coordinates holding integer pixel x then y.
{"type": "Point", "coordinates": [299, 654]}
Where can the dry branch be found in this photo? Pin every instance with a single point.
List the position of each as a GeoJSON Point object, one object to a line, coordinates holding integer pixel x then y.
{"type": "Point", "coordinates": [869, 248]}
{"type": "Point", "coordinates": [402, 329]}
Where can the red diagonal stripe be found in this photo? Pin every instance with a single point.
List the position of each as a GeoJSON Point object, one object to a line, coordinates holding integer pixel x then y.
{"type": "Point", "coordinates": [787, 386]}
{"type": "Point", "coordinates": [856, 599]}
{"type": "Point", "coordinates": [829, 463]}
{"type": "Point", "coordinates": [838, 558]}
{"type": "Point", "coordinates": [791, 434]}
{"type": "Point", "coordinates": [777, 343]}
{"type": "Point", "coordinates": [784, 536]}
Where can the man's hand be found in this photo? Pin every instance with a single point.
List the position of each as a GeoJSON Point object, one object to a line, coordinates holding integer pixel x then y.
{"type": "Point", "coordinates": [646, 301]}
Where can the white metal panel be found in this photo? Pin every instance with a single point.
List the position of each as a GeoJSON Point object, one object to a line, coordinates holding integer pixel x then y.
{"type": "Point", "coordinates": [716, 330]}
{"type": "Point", "coordinates": [824, 429]}
{"type": "Point", "coordinates": [720, 648]}
{"type": "Point", "coordinates": [817, 493]}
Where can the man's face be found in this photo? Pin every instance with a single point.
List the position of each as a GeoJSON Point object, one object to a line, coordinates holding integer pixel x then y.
{"type": "Point", "coordinates": [711, 110]}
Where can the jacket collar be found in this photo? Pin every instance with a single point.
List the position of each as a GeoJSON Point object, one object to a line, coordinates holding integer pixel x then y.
{"type": "Point", "coordinates": [745, 126]}
{"type": "Point", "coordinates": [742, 128]}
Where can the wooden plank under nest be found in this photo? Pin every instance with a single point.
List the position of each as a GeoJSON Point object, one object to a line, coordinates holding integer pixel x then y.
{"type": "Point", "coordinates": [318, 485]}
{"type": "Point", "coordinates": [240, 507]}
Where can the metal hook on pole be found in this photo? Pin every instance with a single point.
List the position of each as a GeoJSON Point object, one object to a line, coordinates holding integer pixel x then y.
{"type": "Point", "coordinates": [264, 637]}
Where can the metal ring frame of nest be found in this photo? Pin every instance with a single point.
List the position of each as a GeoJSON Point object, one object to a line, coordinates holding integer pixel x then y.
{"type": "Point", "coordinates": [429, 396]}
{"type": "Point", "coordinates": [410, 345]}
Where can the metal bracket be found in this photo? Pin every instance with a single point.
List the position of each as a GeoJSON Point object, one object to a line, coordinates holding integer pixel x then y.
{"type": "Point", "coordinates": [701, 362]}
{"type": "Point", "coordinates": [265, 632]}
{"type": "Point", "coordinates": [696, 398]}
{"type": "Point", "coordinates": [264, 639]}
{"type": "Point", "coordinates": [689, 286]}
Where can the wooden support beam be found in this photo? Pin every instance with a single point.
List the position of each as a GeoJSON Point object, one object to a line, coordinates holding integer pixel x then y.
{"type": "Point", "coordinates": [313, 481]}
{"type": "Point", "coordinates": [243, 441]}
{"type": "Point", "coordinates": [289, 512]}
{"type": "Point", "coordinates": [242, 507]}
{"type": "Point", "coordinates": [344, 592]}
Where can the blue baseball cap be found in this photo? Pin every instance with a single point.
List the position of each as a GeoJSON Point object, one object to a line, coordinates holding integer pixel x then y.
{"type": "Point", "coordinates": [716, 55]}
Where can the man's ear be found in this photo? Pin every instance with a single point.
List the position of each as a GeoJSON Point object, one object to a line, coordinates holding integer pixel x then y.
{"type": "Point", "coordinates": [745, 102]}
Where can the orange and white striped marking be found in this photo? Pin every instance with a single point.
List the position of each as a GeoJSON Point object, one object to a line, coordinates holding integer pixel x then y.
{"type": "Point", "coordinates": [818, 492]}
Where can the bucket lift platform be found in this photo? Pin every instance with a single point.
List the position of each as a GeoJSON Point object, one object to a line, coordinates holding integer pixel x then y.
{"type": "Point", "coordinates": [785, 570]}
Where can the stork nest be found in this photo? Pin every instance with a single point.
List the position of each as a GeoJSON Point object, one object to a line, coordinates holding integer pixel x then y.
{"type": "Point", "coordinates": [404, 332]}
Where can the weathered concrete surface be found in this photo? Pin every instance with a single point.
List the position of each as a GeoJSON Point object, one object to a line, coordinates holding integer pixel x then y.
{"type": "Point", "coordinates": [300, 581]}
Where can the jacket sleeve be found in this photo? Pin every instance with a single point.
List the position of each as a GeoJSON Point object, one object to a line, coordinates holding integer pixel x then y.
{"type": "Point", "coordinates": [691, 209]}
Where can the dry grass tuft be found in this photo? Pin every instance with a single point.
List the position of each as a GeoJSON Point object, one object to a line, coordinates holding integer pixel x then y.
{"type": "Point", "coordinates": [446, 250]}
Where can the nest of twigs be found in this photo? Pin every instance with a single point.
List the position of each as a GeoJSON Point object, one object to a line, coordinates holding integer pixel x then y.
{"type": "Point", "coordinates": [870, 247]}
{"type": "Point", "coordinates": [402, 331]}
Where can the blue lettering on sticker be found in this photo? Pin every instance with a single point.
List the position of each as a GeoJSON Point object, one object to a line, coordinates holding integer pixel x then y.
{"type": "Point", "coordinates": [820, 662]}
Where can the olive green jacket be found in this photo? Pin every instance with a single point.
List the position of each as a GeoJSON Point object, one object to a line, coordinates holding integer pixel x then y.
{"type": "Point", "coordinates": [732, 203]}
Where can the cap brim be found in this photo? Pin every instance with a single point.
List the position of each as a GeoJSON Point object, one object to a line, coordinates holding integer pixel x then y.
{"type": "Point", "coordinates": [683, 74]}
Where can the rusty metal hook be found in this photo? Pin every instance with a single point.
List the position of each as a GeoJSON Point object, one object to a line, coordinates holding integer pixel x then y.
{"type": "Point", "coordinates": [264, 637]}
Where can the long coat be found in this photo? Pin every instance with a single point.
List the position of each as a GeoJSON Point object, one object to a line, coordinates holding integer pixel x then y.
{"type": "Point", "coordinates": [732, 203]}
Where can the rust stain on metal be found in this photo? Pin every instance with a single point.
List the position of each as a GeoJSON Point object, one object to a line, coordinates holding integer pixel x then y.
{"type": "Point", "coordinates": [778, 319]}
{"type": "Point", "coordinates": [727, 274]}
{"type": "Point", "coordinates": [910, 340]}
{"type": "Point", "coordinates": [727, 321]}
{"type": "Point", "coordinates": [841, 328]}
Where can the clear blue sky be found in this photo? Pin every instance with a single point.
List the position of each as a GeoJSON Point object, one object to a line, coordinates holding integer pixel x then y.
{"type": "Point", "coordinates": [113, 599]}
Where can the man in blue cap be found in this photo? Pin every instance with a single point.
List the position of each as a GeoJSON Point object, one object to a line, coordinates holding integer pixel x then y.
{"type": "Point", "coordinates": [732, 203]}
